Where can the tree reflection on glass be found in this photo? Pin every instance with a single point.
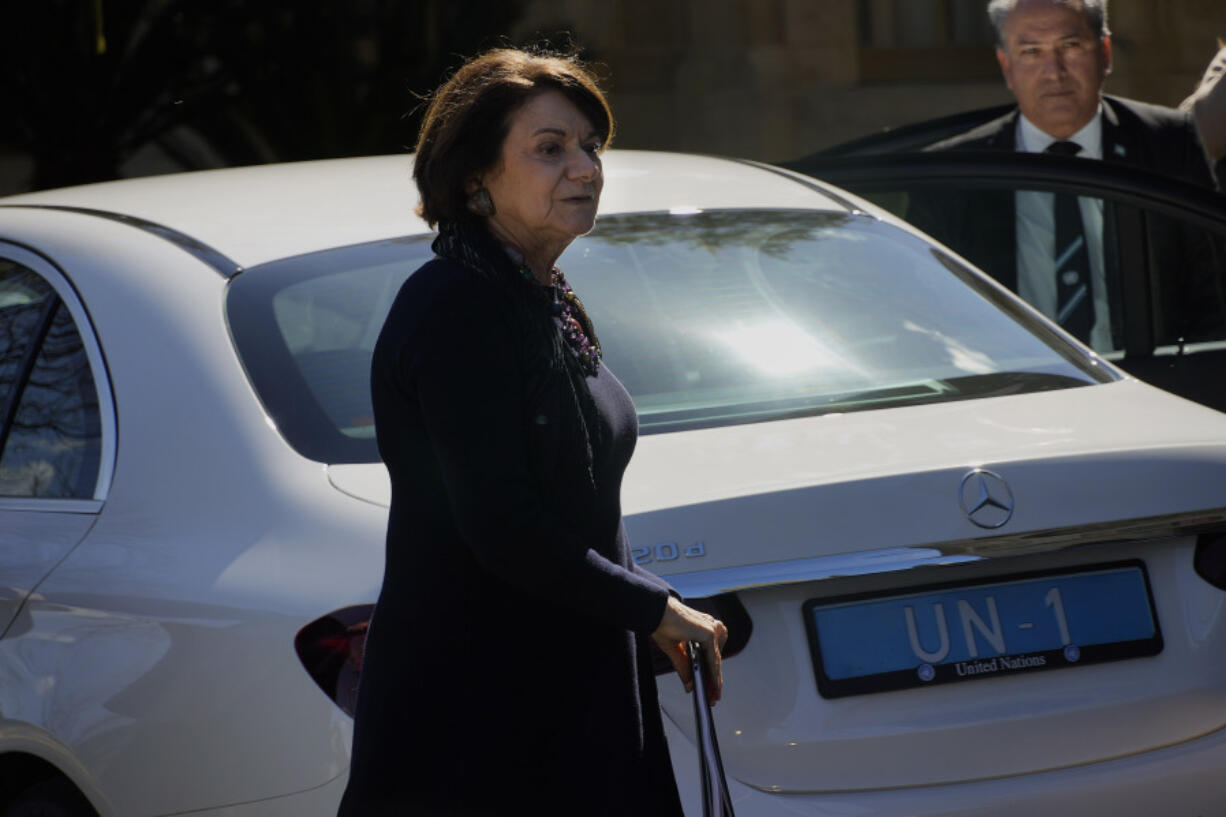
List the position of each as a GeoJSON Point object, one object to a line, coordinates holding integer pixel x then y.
{"type": "Point", "coordinates": [771, 232]}
{"type": "Point", "coordinates": [23, 298]}
{"type": "Point", "coordinates": [53, 444]}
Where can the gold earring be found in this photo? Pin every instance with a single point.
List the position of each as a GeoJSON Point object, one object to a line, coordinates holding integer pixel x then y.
{"type": "Point", "coordinates": [480, 203]}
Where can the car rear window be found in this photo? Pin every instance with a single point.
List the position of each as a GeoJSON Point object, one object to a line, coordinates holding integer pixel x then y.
{"type": "Point", "coordinates": [708, 317]}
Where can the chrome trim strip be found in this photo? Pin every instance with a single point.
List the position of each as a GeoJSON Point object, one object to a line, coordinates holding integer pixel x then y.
{"type": "Point", "coordinates": [1190, 348]}
{"type": "Point", "coordinates": [701, 584]}
{"type": "Point", "coordinates": [201, 251]}
{"type": "Point", "coordinates": [20, 503]}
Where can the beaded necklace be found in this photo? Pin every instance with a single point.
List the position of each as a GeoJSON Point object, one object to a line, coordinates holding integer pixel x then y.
{"type": "Point", "coordinates": [568, 314]}
{"type": "Point", "coordinates": [568, 311]}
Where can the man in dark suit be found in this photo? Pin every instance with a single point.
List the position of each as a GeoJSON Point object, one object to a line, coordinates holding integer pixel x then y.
{"type": "Point", "coordinates": [1055, 55]}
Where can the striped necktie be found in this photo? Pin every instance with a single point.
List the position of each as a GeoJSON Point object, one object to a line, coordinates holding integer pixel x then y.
{"type": "Point", "coordinates": [1074, 290]}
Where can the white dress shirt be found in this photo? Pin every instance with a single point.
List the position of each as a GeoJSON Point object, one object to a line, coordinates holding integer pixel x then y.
{"type": "Point", "coordinates": [1036, 233]}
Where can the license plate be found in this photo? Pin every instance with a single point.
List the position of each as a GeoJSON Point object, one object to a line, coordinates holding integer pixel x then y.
{"type": "Point", "coordinates": [949, 633]}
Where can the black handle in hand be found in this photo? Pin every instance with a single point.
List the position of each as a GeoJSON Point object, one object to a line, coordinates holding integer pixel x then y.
{"type": "Point", "coordinates": [715, 799]}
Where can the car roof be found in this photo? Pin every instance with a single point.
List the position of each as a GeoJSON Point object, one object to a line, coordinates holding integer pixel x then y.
{"type": "Point", "coordinates": [251, 215]}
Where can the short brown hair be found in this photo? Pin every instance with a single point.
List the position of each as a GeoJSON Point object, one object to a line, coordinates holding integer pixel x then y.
{"type": "Point", "coordinates": [469, 117]}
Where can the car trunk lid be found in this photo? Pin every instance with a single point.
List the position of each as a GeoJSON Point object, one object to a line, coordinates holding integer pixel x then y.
{"type": "Point", "coordinates": [769, 510]}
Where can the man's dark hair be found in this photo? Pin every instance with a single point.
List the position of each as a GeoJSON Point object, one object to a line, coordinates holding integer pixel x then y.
{"type": "Point", "coordinates": [469, 117]}
{"type": "Point", "coordinates": [1094, 10]}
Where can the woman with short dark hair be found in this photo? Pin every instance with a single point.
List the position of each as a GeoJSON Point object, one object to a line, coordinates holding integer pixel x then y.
{"type": "Point", "coordinates": [507, 668]}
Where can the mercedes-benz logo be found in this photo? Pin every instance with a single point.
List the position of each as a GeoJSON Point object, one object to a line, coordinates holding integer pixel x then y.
{"type": "Point", "coordinates": [985, 498]}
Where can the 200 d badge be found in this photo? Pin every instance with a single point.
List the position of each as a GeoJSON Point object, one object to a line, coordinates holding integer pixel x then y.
{"type": "Point", "coordinates": [666, 552]}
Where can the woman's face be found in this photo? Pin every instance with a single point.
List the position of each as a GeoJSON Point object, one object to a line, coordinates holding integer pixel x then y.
{"type": "Point", "coordinates": [547, 184]}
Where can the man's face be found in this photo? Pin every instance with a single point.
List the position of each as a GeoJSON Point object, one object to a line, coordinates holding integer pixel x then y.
{"type": "Point", "coordinates": [1054, 64]}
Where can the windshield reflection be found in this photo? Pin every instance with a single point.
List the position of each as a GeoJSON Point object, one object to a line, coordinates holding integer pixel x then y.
{"type": "Point", "coordinates": [714, 317]}
{"type": "Point", "coordinates": [781, 349]}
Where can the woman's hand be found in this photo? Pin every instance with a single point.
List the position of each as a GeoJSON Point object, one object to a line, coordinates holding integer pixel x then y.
{"type": "Point", "coordinates": [681, 624]}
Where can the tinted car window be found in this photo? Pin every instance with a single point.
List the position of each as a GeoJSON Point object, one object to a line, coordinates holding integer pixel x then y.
{"type": "Point", "coordinates": [709, 318]}
{"type": "Point", "coordinates": [1188, 296]}
{"type": "Point", "coordinates": [1188, 288]}
{"type": "Point", "coordinates": [52, 438]}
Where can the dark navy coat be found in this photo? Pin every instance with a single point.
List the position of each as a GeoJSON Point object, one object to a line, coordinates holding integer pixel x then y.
{"type": "Point", "coordinates": [506, 669]}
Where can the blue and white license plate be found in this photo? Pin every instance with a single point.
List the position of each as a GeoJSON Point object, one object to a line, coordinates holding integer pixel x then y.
{"type": "Point", "coordinates": [959, 632]}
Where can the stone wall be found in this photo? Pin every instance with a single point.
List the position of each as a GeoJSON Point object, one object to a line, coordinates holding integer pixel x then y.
{"type": "Point", "coordinates": [777, 79]}
{"type": "Point", "coordinates": [1162, 48]}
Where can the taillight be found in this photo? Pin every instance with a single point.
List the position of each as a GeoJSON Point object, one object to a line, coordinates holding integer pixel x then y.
{"type": "Point", "coordinates": [728, 609]}
{"type": "Point", "coordinates": [331, 650]}
{"type": "Point", "coordinates": [1210, 559]}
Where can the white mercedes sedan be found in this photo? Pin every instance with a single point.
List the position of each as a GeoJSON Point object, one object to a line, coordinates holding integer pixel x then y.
{"type": "Point", "coordinates": [968, 566]}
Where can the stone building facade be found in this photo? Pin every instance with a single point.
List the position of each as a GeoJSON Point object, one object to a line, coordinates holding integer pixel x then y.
{"type": "Point", "coordinates": [777, 79]}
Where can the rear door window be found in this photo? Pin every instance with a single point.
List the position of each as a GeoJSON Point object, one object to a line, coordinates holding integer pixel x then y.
{"type": "Point", "coordinates": [24, 302]}
{"type": "Point", "coordinates": [50, 429]}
